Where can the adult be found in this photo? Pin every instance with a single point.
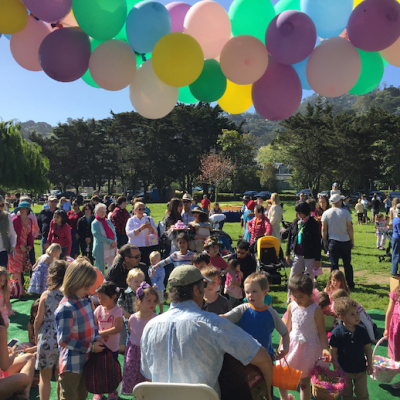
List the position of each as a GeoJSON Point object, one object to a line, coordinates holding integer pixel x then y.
{"type": "Point", "coordinates": [16, 202]}
{"type": "Point", "coordinates": [60, 233]}
{"type": "Point", "coordinates": [388, 204]}
{"type": "Point", "coordinates": [215, 209]}
{"type": "Point", "coordinates": [323, 205]}
{"type": "Point", "coordinates": [338, 222]}
{"type": "Point", "coordinates": [248, 264]}
{"type": "Point", "coordinates": [104, 238]}
{"type": "Point", "coordinates": [119, 219]}
{"type": "Point", "coordinates": [205, 204]}
{"type": "Point", "coordinates": [64, 204]}
{"type": "Point", "coordinates": [173, 213]}
{"type": "Point", "coordinates": [73, 217]}
{"type": "Point", "coordinates": [8, 237]}
{"type": "Point", "coordinates": [375, 206]}
{"type": "Point", "coordinates": [245, 200]}
{"type": "Point", "coordinates": [275, 215]}
{"type": "Point", "coordinates": [302, 197]}
{"type": "Point", "coordinates": [187, 345]}
{"type": "Point", "coordinates": [107, 201]}
{"type": "Point", "coordinates": [110, 210]}
{"type": "Point", "coordinates": [128, 258]}
{"type": "Point", "coordinates": [259, 226]}
{"type": "Point", "coordinates": [248, 216]}
{"type": "Point", "coordinates": [366, 204]}
{"type": "Point", "coordinates": [95, 200]}
{"type": "Point", "coordinates": [138, 229]}
{"type": "Point", "coordinates": [396, 242]}
{"type": "Point", "coordinates": [85, 232]}
{"type": "Point", "coordinates": [393, 209]}
{"type": "Point", "coordinates": [44, 220]}
{"type": "Point", "coordinates": [140, 200]}
{"type": "Point", "coordinates": [187, 217]}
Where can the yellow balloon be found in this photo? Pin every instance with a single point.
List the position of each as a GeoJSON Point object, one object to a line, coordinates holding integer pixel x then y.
{"type": "Point", "coordinates": [236, 99]}
{"type": "Point", "coordinates": [357, 2]}
{"type": "Point", "coordinates": [177, 59]}
{"type": "Point", "coordinates": [13, 16]}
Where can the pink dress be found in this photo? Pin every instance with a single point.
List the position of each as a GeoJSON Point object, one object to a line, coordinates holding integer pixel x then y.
{"type": "Point", "coordinates": [17, 262]}
{"type": "Point", "coordinates": [394, 330]}
{"type": "Point", "coordinates": [305, 347]}
{"type": "Point", "coordinates": [106, 320]}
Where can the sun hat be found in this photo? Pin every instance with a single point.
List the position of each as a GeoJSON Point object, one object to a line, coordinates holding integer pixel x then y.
{"type": "Point", "coordinates": [52, 198]}
{"type": "Point", "coordinates": [212, 241]}
{"type": "Point", "coordinates": [336, 198]}
{"type": "Point", "coordinates": [23, 204]}
{"type": "Point", "coordinates": [185, 275]}
{"type": "Point", "coordinates": [251, 205]}
{"type": "Point", "coordinates": [187, 196]}
{"type": "Point", "coordinates": [246, 198]}
{"type": "Point", "coordinates": [198, 210]}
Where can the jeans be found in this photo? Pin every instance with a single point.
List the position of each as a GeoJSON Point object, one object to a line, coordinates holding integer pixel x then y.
{"type": "Point", "coordinates": [3, 259]}
{"type": "Point", "coordinates": [342, 250]}
{"type": "Point", "coordinates": [395, 255]}
{"type": "Point", "coordinates": [122, 239]}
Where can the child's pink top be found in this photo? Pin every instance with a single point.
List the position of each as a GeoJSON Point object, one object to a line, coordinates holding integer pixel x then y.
{"type": "Point", "coordinates": [137, 325]}
{"type": "Point", "coordinates": [239, 277]}
{"type": "Point", "coordinates": [3, 308]}
{"type": "Point", "coordinates": [106, 320]}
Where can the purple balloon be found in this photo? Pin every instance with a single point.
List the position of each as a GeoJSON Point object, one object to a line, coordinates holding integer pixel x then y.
{"type": "Point", "coordinates": [374, 25]}
{"type": "Point", "coordinates": [64, 54]}
{"type": "Point", "coordinates": [290, 37]}
{"type": "Point", "coordinates": [49, 10]}
{"type": "Point", "coordinates": [178, 11]}
{"type": "Point", "coordinates": [277, 94]}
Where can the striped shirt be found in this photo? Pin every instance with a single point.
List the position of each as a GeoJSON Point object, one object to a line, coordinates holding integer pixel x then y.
{"type": "Point", "coordinates": [76, 331]}
{"type": "Point", "coordinates": [177, 259]}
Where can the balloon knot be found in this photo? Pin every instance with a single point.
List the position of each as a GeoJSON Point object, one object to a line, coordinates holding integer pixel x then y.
{"type": "Point", "coordinates": [144, 57]}
{"type": "Point", "coordinates": [57, 25]}
{"type": "Point", "coordinates": [36, 18]}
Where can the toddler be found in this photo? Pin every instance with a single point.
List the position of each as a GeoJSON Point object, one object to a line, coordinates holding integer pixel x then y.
{"type": "Point", "coordinates": [215, 303]}
{"type": "Point", "coordinates": [232, 285]}
{"type": "Point", "coordinates": [201, 261]}
{"type": "Point", "coordinates": [381, 231]}
{"type": "Point", "coordinates": [360, 211]}
{"type": "Point", "coordinates": [157, 278]}
{"type": "Point", "coordinates": [4, 296]}
{"type": "Point", "coordinates": [212, 246]}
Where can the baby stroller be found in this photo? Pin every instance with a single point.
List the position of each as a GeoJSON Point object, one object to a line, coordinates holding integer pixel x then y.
{"type": "Point", "coordinates": [225, 239]}
{"type": "Point", "coordinates": [268, 249]}
{"type": "Point", "coordinates": [217, 221]}
{"type": "Point", "coordinates": [388, 255]}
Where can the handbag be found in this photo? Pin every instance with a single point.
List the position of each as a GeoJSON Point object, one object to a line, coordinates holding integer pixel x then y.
{"type": "Point", "coordinates": [102, 372]}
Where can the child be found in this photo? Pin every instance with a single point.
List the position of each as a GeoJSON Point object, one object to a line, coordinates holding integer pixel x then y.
{"type": "Point", "coordinates": [157, 278]}
{"type": "Point", "coordinates": [381, 231]}
{"type": "Point", "coordinates": [201, 261]}
{"type": "Point", "coordinates": [77, 334]}
{"type": "Point", "coordinates": [306, 326]}
{"type": "Point", "coordinates": [392, 328]}
{"type": "Point", "coordinates": [212, 245]}
{"type": "Point", "coordinates": [336, 281]}
{"type": "Point", "coordinates": [4, 295]}
{"type": "Point", "coordinates": [146, 303]}
{"type": "Point", "coordinates": [60, 232]}
{"type": "Point", "coordinates": [360, 212]}
{"type": "Point", "coordinates": [268, 297]}
{"type": "Point", "coordinates": [216, 303]}
{"type": "Point", "coordinates": [350, 344]}
{"type": "Point", "coordinates": [200, 229]}
{"type": "Point", "coordinates": [39, 277]}
{"type": "Point", "coordinates": [232, 286]}
{"type": "Point", "coordinates": [108, 317]}
{"type": "Point", "coordinates": [46, 330]}
{"type": "Point", "coordinates": [324, 304]}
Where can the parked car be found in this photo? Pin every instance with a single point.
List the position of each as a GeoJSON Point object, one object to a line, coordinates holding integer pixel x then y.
{"type": "Point", "coordinates": [251, 193]}
{"type": "Point", "coordinates": [354, 196]}
{"type": "Point", "coordinates": [395, 194]}
{"type": "Point", "coordinates": [264, 194]}
{"type": "Point", "coordinates": [378, 192]}
{"type": "Point", "coordinates": [323, 193]}
{"type": "Point", "coordinates": [306, 191]}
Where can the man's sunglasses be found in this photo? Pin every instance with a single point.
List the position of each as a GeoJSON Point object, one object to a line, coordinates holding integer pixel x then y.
{"type": "Point", "coordinates": [1, 205]}
{"type": "Point", "coordinates": [186, 201]}
{"type": "Point", "coordinates": [136, 257]}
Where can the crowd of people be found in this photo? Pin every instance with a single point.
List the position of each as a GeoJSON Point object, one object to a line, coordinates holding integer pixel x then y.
{"type": "Point", "coordinates": [104, 270]}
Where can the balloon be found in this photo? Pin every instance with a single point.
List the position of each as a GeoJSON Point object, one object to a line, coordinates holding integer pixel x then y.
{"type": "Point", "coordinates": [7, 36]}
{"type": "Point", "coordinates": [244, 59]}
{"type": "Point", "coordinates": [374, 25]}
{"type": "Point", "coordinates": [236, 99]}
{"type": "Point", "coordinates": [25, 45]}
{"type": "Point", "coordinates": [64, 54]}
{"type": "Point", "coordinates": [49, 10]}
{"type": "Point", "coordinates": [178, 59]}
{"type": "Point", "coordinates": [357, 2]}
{"type": "Point", "coordinates": [277, 95]}
{"type": "Point", "coordinates": [113, 65]}
{"type": "Point", "coordinates": [13, 16]}
{"type": "Point", "coordinates": [69, 21]}
{"type": "Point", "coordinates": [185, 96]}
{"type": "Point", "coordinates": [284, 5]}
{"type": "Point", "coordinates": [209, 24]}
{"type": "Point", "coordinates": [100, 19]}
{"type": "Point", "coordinates": [150, 97]}
{"type": "Point", "coordinates": [300, 68]}
{"type": "Point", "coordinates": [372, 70]}
{"type": "Point", "coordinates": [86, 77]}
{"type": "Point", "coordinates": [211, 84]}
{"type": "Point", "coordinates": [177, 10]}
{"type": "Point", "coordinates": [251, 17]}
{"type": "Point", "coordinates": [391, 55]}
{"type": "Point", "coordinates": [290, 37]}
{"type": "Point", "coordinates": [122, 33]}
{"type": "Point", "coordinates": [146, 24]}
{"type": "Point", "coordinates": [333, 67]}
{"type": "Point", "coordinates": [329, 16]}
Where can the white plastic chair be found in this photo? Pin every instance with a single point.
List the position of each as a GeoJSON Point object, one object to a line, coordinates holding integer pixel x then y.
{"type": "Point", "coordinates": [173, 391]}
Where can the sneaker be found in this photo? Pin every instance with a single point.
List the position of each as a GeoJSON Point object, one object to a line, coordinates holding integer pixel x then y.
{"type": "Point", "coordinates": [97, 397]}
{"type": "Point", "coordinates": [113, 395]}
{"type": "Point", "coordinates": [396, 385]}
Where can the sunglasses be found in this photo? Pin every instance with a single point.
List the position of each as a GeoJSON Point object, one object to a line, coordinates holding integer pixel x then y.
{"type": "Point", "coordinates": [140, 209]}
{"type": "Point", "coordinates": [136, 257]}
{"type": "Point", "coordinates": [205, 284]}
{"type": "Point", "coordinates": [1, 205]}
{"type": "Point", "coordinates": [186, 201]}
{"type": "Point", "coordinates": [53, 201]}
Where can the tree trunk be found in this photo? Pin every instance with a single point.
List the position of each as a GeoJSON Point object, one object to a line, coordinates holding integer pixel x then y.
{"type": "Point", "coordinates": [234, 187]}
{"type": "Point", "coordinates": [216, 194]}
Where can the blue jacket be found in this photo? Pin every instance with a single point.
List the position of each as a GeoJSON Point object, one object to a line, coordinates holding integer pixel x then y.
{"type": "Point", "coordinates": [98, 243]}
{"type": "Point", "coordinates": [396, 228]}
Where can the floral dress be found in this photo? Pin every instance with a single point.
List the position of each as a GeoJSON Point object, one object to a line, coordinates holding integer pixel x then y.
{"type": "Point", "coordinates": [17, 262]}
{"type": "Point", "coordinates": [47, 349]}
{"type": "Point", "coordinates": [39, 277]}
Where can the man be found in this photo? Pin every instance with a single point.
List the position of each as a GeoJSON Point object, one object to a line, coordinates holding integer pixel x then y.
{"type": "Point", "coordinates": [187, 345]}
{"type": "Point", "coordinates": [302, 197]}
{"type": "Point", "coordinates": [95, 200]}
{"type": "Point", "coordinates": [186, 216]}
{"type": "Point", "coordinates": [375, 206]}
{"type": "Point", "coordinates": [248, 264]}
{"type": "Point", "coordinates": [129, 258]}
{"type": "Point", "coordinates": [338, 222]}
{"type": "Point", "coordinates": [119, 218]}
{"type": "Point", "coordinates": [44, 219]}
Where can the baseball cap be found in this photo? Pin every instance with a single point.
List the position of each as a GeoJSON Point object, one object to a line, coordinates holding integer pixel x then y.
{"type": "Point", "coordinates": [336, 198]}
{"type": "Point", "coordinates": [334, 184]}
{"type": "Point", "coordinates": [185, 275]}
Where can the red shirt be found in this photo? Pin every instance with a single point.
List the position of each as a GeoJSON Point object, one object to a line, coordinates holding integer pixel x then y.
{"type": "Point", "coordinates": [60, 235]}
{"type": "Point", "coordinates": [73, 219]}
{"type": "Point", "coordinates": [205, 203]}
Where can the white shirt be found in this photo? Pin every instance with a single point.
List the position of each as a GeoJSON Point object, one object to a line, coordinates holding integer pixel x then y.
{"type": "Point", "coordinates": [336, 219]}
{"type": "Point", "coordinates": [135, 223]}
{"type": "Point", "coordinates": [11, 234]}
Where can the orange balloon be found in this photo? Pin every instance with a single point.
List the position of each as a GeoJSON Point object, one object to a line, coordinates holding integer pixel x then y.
{"type": "Point", "coordinates": [392, 53]}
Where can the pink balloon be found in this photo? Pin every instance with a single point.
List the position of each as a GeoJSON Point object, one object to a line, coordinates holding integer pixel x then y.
{"type": "Point", "coordinates": [374, 25]}
{"type": "Point", "coordinates": [333, 67]}
{"type": "Point", "coordinates": [49, 10]}
{"type": "Point", "coordinates": [244, 59]}
{"type": "Point", "coordinates": [25, 44]}
{"type": "Point", "coordinates": [277, 95]}
{"type": "Point", "coordinates": [392, 53]}
{"type": "Point", "coordinates": [178, 11]}
{"type": "Point", "coordinates": [209, 24]}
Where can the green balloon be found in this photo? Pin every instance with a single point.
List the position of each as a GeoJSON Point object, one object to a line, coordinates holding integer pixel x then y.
{"type": "Point", "coordinates": [139, 58]}
{"type": "Point", "coordinates": [87, 78]}
{"type": "Point", "coordinates": [372, 69]}
{"type": "Point", "coordinates": [251, 17]}
{"type": "Point", "coordinates": [185, 96]}
{"type": "Point", "coordinates": [384, 62]}
{"type": "Point", "coordinates": [284, 5]}
{"type": "Point", "coordinates": [122, 33]}
{"type": "Point", "coordinates": [211, 84]}
{"type": "Point", "coordinates": [100, 19]}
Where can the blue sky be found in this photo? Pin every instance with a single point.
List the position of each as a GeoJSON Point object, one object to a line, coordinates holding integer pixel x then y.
{"type": "Point", "coordinates": [26, 95]}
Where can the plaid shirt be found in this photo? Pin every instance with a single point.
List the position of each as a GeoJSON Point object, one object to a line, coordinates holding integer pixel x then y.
{"type": "Point", "coordinates": [127, 300]}
{"type": "Point", "coordinates": [119, 218]}
{"type": "Point", "coordinates": [76, 331]}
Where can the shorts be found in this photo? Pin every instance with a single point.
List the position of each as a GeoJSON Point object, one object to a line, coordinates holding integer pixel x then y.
{"type": "Point", "coordinates": [72, 386]}
{"type": "Point", "coordinates": [375, 212]}
{"type": "Point", "coordinates": [360, 216]}
{"type": "Point", "coordinates": [160, 297]}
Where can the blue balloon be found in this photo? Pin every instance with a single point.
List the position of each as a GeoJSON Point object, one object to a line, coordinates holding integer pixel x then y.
{"type": "Point", "coordinates": [301, 72]}
{"type": "Point", "coordinates": [329, 16]}
{"type": "Point", "coordinates": [146, 24]}
{"type": "Point", "coordinates": [7, 36]}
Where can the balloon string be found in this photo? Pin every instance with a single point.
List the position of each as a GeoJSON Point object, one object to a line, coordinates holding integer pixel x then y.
{"type": "Point", "coordinates": [58, 25]}
{"type": "Point", "coordinates": [143, 57]}
{"type": "Point", "coordinates": [36, 18]}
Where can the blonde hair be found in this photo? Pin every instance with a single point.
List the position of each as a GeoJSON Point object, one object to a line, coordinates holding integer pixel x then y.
{"type": "Point", "coordinates": [338, 293]}
{"type": "Point", "coordinates": [138, 204]}
{"type": "Point", "coordinates": [53, 248]}
{"type": "Point", "coordinates": [338, 276]}
{"type": "Point", "coordinates": [259, 278]}
{"type": "Point", "coordinates": [62, 201]}
{"type": "Point", "coordinates": [133, 273]}
{"type": "Point", "coordinates": [80, 274]}
{"type": "Point", "coordinates": [210, 272]}
{"type": "Point", "coordinates": [5, 288]}
{"type": "Point", "coordinates": [275, 198]}
{"type": "Point", "coordinates": [153, 255]}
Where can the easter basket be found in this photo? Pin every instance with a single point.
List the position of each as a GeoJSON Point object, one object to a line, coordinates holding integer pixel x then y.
{"type": "Point", "coordinates": [326, 384]}
{"type": "Point", "coordinates": [384, 369]}
{"type": "Point", "coordinates": [285, 377]}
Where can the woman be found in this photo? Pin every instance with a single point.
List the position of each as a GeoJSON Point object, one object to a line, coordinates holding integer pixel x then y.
{"type": "Point", "coordinates": [8, 237]}
{"type": "Point", "coordinates": [275, 216]}
{"type": "Point", "coordinates": [173, 213]}
{"type": "Point", "coordinates": [85, 232]}
{"type": "Point", "coordinates": [104, 238]}
{"type": "Point", "coordinates": [215, 209]}
{"type": "Point", "coordinates": [393, 209]}
{"type": "Point", "coordinates": [138, 229]}
{"type": "Point", "coordinates": [248, 215]}
{"type": "Point", "coordinates": [64, 204]}
{"type": "Point", "coordinates": [60, 233]}
{"type": "Point", "coordinates": [19, 261]}
{"type": "Point", "coordinates": [259, 226]}
{"type": "Point", "coordinates": [73, 217]}
{"type": "Point", "coordinates": [323, 205]}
